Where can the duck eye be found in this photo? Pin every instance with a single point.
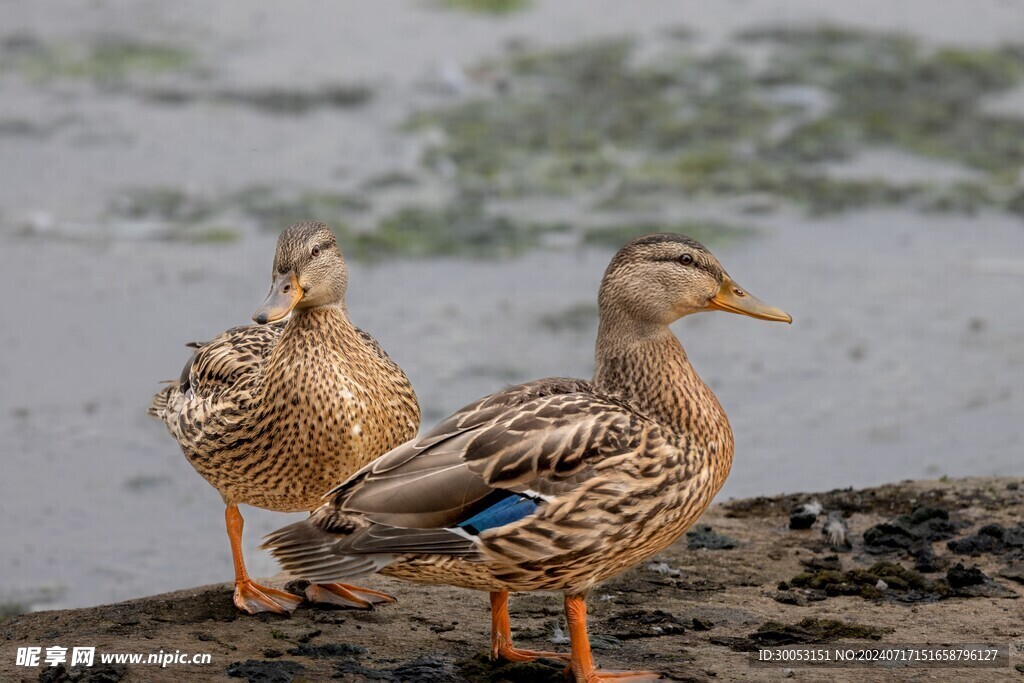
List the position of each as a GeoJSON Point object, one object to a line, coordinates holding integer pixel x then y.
{"type": "Point", "coordinates": [686, 259]}
{"type": "Point", "coordinates": [316, 251]}
{"type": "Point", "coordinates": [283, 270]}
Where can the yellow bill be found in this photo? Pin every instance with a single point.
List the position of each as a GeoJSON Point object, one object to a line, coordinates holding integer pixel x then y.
{"type": "Point", "coordinates": [734, 299]}
{"type": "Point", "coordinates": [285, 293]}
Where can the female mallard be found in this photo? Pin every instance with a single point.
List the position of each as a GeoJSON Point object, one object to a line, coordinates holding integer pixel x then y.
{"type": "Point", "coordinates": [559, 483]}
{"type": "Point", "coordinates": [274, 415]}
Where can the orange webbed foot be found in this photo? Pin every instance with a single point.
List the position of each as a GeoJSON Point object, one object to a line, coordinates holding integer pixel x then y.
{"type": "Point", "coordinates": [346, 595]}
{"type": "Point", "coordinates": [581, 665]}
{"type": "Point", "coordinates": [515, 654]}
{"type": "Point", "coordinates": [501, 635]}
{"type": "Point", "coordinates": [253, 598]}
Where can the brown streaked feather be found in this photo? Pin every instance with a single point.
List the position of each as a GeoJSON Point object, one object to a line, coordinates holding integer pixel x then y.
{"type": "Point", "coordinates": [228, 361]}
{"type": "Point", "coordinates": [479, 413]}
{"type": "Point", "coordinates": [439, 479]}
{"type": "Point", "coordinates": [378, 538]}
{"type": "Point", "coordinates": [232, 357]}
{"type": "Point", "coordinates": [551, 446]}
{"type": "Point", "coordinates": [273, 415]}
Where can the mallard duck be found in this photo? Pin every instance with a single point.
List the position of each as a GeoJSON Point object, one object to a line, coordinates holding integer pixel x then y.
{"type": "Point", "coordinates": [557, 484]}
{"type": "Point", "coordinates": [276, 414]}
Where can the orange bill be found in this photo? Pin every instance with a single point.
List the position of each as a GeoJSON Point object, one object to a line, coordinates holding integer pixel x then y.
{"type": "Point", "coordinates": [734, 299]}
{"type": "Point", "coordinates": [285, 293]}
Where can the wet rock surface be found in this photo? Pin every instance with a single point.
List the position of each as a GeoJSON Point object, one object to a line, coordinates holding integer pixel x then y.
{"type": "Point", "coordinates": [691, 614]}
{"type": "Point", "coordinates": [991, 538]}
{"type": "Point", "coordinates": [703, 536]}
{"type": "Point", "coordinates": [804, 516]}
{"type": "Point", "coordinates": [256, 671]}
{"type": "Point", "coordinates": [925, 523]}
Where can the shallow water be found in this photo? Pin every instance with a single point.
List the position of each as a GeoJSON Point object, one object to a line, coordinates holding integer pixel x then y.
{"type": "Point", "coordinates": [905, 360]}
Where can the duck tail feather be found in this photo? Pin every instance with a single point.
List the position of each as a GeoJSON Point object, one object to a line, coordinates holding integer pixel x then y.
{"type": "Point", "coordinates": [158, 408]}
{"type": "Point", "coordinates": [307, 551]}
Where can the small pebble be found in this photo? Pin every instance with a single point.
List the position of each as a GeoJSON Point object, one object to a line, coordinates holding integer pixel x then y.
{"type": "Point", "coordinates": [663, 568]}
{"type": "Point", "coordinates": [701, 624]}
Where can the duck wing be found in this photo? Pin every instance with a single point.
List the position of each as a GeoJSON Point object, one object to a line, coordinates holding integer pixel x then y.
{"type": "Point", "coordinates": [490, 465]}
{"type": "Point", "coordinates": [218, 377]}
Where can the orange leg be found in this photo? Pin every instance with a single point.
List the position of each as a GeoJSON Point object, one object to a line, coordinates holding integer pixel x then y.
{"type": "Point", "coordinates": [501, 635]}
{"type": "Point", "coordinates": [250, 596]}
{"type": "Point", "coordinates": [581, 663]}
{"type": "Point", "coordinates": [346, 595]}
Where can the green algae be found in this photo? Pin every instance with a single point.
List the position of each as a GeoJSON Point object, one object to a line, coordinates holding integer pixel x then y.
{"type": "Point", "coordinates": [626, 133]}
{"type": "Point", "coordinates": [892, 581]}
{"type": "Point", "coordinates": [9, 610]}
{"type": "Point", "coordinates": [493, 7]}
{"type": "Point", "coordinates": [111, 61]}
{"type": "Point", "coordinates": [104, 60]}
{"type": "Point", "coordinates": [213, 234]}
{"type": "Point", "coordinates": [160, 203]}
{"type": "Point", "coordinates": [910, 584]}
{"type": "Point", "coordinates": [281, 101]}
{"type": "Point", "coordinates": [813, 630]}
{"type": "Point", "coordinates": [891, 90]}
{"type": "Point", "coordinates": [572, 114]}
{"type": "Point", "coordinates": [274, 212]}
{"type": "Point", "coordinates": [461, 228]}
{"type": "Point", "coordinates": [457, 229]}
{"type": "Point", "coordinates": [571, 120]}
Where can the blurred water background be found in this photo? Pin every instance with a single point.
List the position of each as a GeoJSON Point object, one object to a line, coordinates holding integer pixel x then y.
{"type": "Point", "coordinates": [858, 164]}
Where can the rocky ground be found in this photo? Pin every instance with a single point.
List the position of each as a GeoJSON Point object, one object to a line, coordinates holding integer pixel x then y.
{"type": "Point", "coordinates": [938, 562]}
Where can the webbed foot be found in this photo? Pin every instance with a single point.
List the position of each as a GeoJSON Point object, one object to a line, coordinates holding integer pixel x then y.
{"type": "Point", "coordinates": [346, 595]}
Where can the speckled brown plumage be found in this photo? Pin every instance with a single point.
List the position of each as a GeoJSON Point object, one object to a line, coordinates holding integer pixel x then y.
{"type": "Point", "coordinates": [276, 415]}
{"type": "Point", "coordinates": [596, 476]}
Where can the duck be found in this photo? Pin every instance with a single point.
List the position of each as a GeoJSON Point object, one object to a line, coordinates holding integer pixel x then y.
{"type": "Point", "coordinates": [556, 484]}
{"type": "Point", "coordinates": [278, 413]}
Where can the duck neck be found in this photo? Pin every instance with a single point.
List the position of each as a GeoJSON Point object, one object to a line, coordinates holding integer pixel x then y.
{"type": "Point", "coordinates": [329, 316]}
{"type": "Point", "coordinates": [647, 367]}
{"type": "Point", "coordinates": [309, 331]}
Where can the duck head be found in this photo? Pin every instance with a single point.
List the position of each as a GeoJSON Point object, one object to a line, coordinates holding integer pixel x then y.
{"type": "Point", "coordinates": [309, 271]}
{"type": "Point", "coordinates": [656, 279]}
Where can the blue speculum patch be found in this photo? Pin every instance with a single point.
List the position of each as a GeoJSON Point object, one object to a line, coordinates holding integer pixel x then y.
{"type": "Point", "coordinates": [507, 510]}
